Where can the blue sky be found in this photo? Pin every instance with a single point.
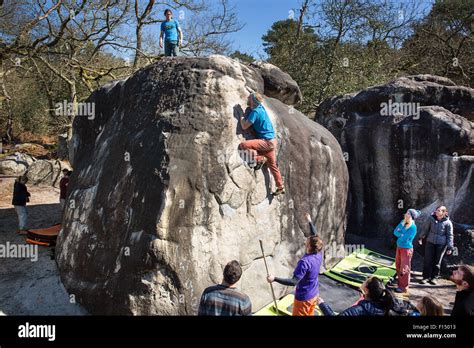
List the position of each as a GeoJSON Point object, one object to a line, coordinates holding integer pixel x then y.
{"type": "Point", "coordinates": [259, 15]}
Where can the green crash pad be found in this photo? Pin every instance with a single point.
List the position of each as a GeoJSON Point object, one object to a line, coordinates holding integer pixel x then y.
{"type": "Point", "coordinates": [362, 264]}
{"type": "Point", "coordinates": [372, 256]}
{"type": "Point", "coordinates": [285, 308]}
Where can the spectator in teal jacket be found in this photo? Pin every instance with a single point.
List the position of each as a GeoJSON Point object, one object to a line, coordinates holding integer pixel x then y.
{"type": "Point", "coordinates": [405, 233]}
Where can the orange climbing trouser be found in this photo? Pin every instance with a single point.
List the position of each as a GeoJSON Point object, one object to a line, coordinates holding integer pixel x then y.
{"type": "Point", "coordinates": [304, 308]}
{"type": "Point", "coordinates": [261, 148]}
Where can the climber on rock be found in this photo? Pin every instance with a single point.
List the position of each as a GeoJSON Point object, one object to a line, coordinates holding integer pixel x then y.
{"type": "Point", "coordinates": [305, 276]}
{"type": "Point", "coordinates": [172, 33]}
{"type": "Point", "coordinates": [262, 149]}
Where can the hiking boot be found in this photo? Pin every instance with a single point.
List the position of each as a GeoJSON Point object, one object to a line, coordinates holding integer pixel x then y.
{"type": "Point", "coordinates": [279, 191]}
{"type": "Point", "coordinates": [260, 164]}
{"type": "Point", "coordinates": [424, 281]}
{"type": "Point", "coordinates": [432, 281]}
{"type": "Point", "coordinates": [399, 291]}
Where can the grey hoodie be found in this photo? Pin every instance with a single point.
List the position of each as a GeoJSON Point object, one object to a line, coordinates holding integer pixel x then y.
{"type": "Point", "coordinates": [439, 232]}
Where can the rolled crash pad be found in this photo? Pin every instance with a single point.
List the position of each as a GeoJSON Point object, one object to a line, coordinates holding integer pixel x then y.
{"type": "Point", "coordinates": [43, 236]}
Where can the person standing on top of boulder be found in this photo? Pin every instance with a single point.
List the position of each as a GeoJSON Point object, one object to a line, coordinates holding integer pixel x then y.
{"type": "Point", "coordinates": [20, 197]}
{"type": "Point", "coordinates": [172, 33]}
{"type": "Point", "coordinates": [305, 276]}
{"type": "Point", "coordinates": [224, 299]}
{"type": "Point", "coordinates": [438, 242]}
{"type": "Point", "coordinates": [262, 149]}
{"type": "Point", "coordinates": [63, 184]}
{"type": "Point", "coordinates": [405, 233]}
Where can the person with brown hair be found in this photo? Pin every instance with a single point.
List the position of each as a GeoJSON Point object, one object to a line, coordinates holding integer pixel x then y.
{"type": "Point", "coordinates": [305, 276]}
{"type": "Point", "coordinates": [429, 306]}
{"type": "Point", "coordinates": [224, 299]}
{"type": "Point", "coordinates": [439, 240]}
{"type": "Point", "coordinates": [463, 277]}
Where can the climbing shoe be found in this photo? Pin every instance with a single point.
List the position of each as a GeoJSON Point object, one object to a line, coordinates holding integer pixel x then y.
{"type": "Point", "coordinates": [260, 164]}
{"type": "Point", "coordinates": [279, 191]}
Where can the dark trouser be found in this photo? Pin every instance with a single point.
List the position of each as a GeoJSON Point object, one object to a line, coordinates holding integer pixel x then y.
{"type": "Point", "coordinates": [432, 262]}
{"type": "Point", "coordinates": [171, 48]}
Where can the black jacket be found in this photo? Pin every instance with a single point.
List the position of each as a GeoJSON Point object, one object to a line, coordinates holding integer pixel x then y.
{"type": "Point", "coordinates": [463, 304]}
{"type": "Point", "coordinates": [364, 308]}
{"type": "Point", "coordinates": [20, 194]}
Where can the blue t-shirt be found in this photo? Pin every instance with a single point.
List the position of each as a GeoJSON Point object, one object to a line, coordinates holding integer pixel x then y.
{"type": "Point", "coordinates": [405, 236]}
{"type": "Point", "coordinates": [171, 30]}
{"type": "Point", "coordinates": [261, 122]}
{"type": "Point", "coordinates": [307, 272]}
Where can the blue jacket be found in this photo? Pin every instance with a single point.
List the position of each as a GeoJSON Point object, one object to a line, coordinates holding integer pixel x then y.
{"type": "Point", "coordinates": [440, 232]}
{"type": "Point", "coordinates": [405, 236]}
{"type": "Point", "coordinates": [364, 308]}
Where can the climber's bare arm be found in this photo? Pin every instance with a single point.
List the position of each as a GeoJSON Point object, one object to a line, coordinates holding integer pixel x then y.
{"type": "Point", "coordinates": [244, 123]}
{"type": "Point", "coordinates": [180, 33]}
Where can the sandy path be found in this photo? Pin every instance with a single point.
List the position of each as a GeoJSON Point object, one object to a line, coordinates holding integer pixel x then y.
{"type": "Point", "coordinates": [30, 287]}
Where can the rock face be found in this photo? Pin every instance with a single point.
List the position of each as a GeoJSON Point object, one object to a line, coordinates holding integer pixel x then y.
{"type": "Point", "coordinates": [278, 84]}
{"type": "Point", "coordinates": [401, 157]}
{"type": "Point", "coordinates": [160, 199]}
{"type": "Point", "coordinates": [45, 172]}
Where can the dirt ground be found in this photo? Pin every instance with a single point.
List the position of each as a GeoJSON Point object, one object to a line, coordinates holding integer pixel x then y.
{"type": "Point", "coordinates": [34, 288]}
{"type": "Point", "coordinates": [30, 287]}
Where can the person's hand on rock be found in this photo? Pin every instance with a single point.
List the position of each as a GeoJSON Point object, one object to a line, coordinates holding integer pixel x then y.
{"type": "Point", "coordinates": [270, 278]}
{"type": "Point", "coordinates": [319, 300]}
{"type": "Point", "coordinates": [308, 217]}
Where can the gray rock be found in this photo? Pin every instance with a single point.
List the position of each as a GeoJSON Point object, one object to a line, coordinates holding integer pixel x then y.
{"type": "Point", "coordinates": [405, 160]}
{"type": "Point", "coordinates": [162, 202]}
{"type": "Point", "coordinates": [45, 172]}
{"type": "Point", "coordinates": [278, 84]}
{"type": "Point", "coordinates": [16, 164]}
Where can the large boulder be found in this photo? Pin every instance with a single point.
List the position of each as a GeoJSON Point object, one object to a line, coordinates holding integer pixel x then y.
{"type": "Point", "coordinates": [160, 199]}
{"type": "Point", "coordinates": [16, 164]}
{"type": "Point", "coordinates": [408, 143]}
{"type": "Point", "coordinates": [45, 172]}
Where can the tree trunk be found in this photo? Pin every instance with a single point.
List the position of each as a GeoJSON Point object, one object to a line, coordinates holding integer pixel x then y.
{"type": "Point", "coordinates": [8, 136]}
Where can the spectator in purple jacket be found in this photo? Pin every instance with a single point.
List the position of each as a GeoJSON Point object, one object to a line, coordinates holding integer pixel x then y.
{"type": "Point", "coordinates": [305, 276]}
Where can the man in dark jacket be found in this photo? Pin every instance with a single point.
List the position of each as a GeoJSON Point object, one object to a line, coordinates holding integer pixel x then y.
{"type": "Point", "coordinates": [439, 240]}
{"type": "Point", "coordinates": [463, 276]}
{"type": "Point", "coordinates": [20, 197]}
{"type": "Point", "coordinates": [63, 184]}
